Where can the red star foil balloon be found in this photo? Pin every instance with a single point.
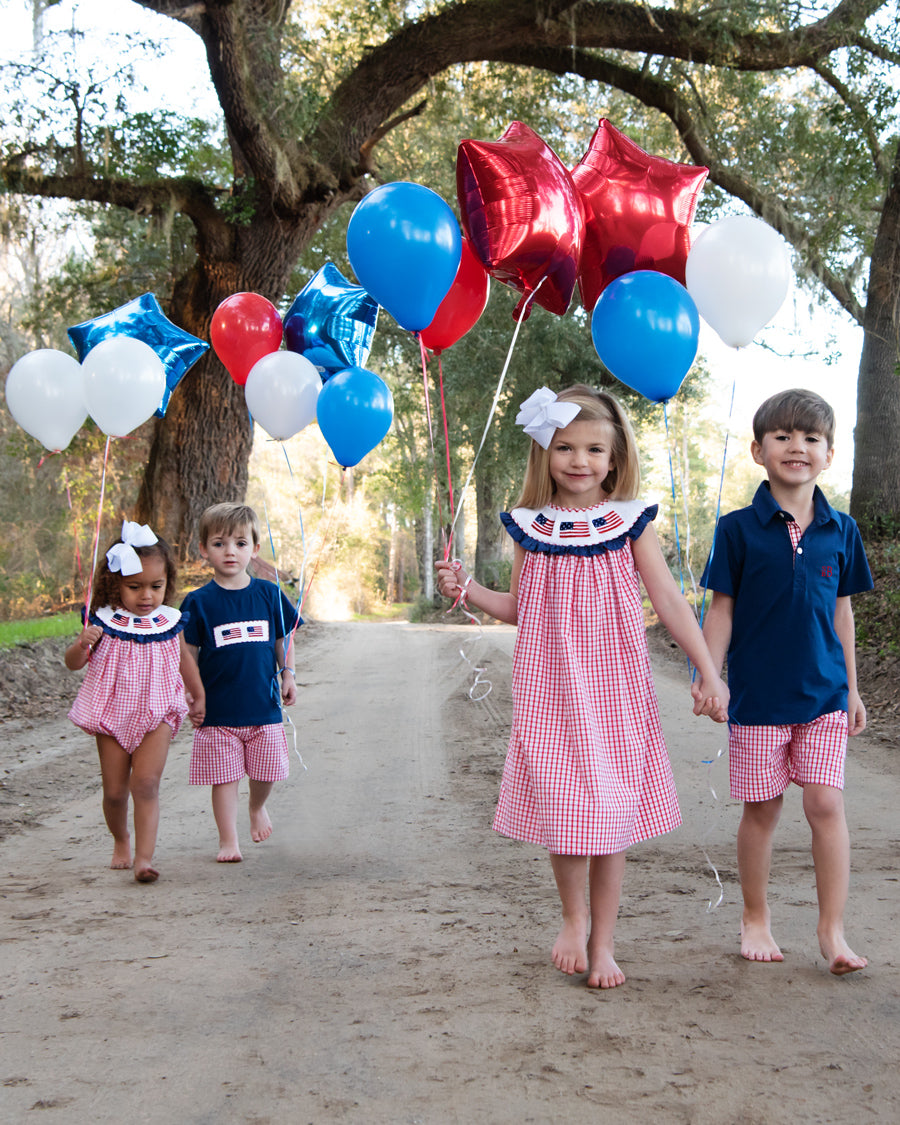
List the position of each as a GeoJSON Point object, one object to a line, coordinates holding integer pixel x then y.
{"type": "Point", "coordinates": [522, 214]}
{"type": "Point", "coordinates": [639, 210]}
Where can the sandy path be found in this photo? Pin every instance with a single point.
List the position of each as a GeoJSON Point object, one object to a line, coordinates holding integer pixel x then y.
{"type": "Point", "coordinates": [384, 957]}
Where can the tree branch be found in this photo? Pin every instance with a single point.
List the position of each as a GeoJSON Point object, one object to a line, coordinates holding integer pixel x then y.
{"type": "Point", "coordinates": [150, 198]}
{"type": "Point", "coordinates": [858, 109]}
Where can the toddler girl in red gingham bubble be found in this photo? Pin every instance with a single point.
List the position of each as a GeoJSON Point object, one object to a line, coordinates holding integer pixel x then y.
{"type": "Point", "coordinates": [132, 698]}
{"type": "Point", "coordinates": [586, 774]}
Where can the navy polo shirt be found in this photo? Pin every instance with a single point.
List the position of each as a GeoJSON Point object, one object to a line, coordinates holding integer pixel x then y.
{"type": "Point", "coordinates": [785, 661]}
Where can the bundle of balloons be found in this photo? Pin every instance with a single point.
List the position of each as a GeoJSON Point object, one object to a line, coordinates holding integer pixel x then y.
{"type": "Point", "coordinates": [618, 225]}
{"type": "Point", "coordinates": [319, 375]}
{"type": "Point", "coordinates": [129, 362]}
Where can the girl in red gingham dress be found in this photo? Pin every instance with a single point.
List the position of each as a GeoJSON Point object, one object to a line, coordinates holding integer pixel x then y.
{"type": "Point", "coordinates": [586, 773]}
{"type": "Point", "coordinates": [132, 698]}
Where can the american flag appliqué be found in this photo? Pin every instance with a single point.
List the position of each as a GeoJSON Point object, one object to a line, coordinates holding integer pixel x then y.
{"type": "Point", "coordinates": [239, 632]}
{"type": "Point", "coordinates": [572, 529]}
{"type": "Point", "coordinates": [609, 522]}
{"type": "Point", "coordinates": [542, 524]}
{"type": "Point", "coordinates": [119, 619]}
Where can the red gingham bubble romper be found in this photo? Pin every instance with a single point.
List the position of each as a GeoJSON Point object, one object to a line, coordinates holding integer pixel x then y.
{"type": "Point", "coordinates": [132, 682]}
{"type": "Point", "coordinates": [586, 771]}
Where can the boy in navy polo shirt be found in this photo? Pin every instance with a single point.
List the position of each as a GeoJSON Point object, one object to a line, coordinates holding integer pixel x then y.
{"type": "Point", "coordinates": [239, 633]}
{"type": "Point", "coordinates": [782, 572]}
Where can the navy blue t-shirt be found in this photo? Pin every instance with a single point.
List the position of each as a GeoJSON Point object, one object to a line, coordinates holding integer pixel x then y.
{"type": "Point", "coordinates": [785, 660]}
{"type": "Point", "coordinates": [236, 631]}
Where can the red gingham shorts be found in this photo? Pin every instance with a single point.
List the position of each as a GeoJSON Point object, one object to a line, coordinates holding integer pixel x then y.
{"type": "Point", "coordinates": [221, 755]}
{"type": "Point", "coordinates": [764, 760]}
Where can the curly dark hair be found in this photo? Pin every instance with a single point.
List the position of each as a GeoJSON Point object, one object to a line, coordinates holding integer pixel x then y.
{"type": "Point", "coordinates": [106, 581]}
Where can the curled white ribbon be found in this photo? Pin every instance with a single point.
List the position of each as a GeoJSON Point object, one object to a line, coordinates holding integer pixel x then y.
{"type": "Point", "coordinates": [542, 414]}
{"type": "Point", "coordinates": [122, 558]}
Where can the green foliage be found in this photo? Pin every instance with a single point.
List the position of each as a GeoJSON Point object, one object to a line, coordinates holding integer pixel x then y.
{"type": "Point", "coordinates": [877, 613]}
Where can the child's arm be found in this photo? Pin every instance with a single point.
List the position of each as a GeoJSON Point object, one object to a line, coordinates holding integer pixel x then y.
{"type": "Point", "coordinates": [193, 685]}
{"type": "Point", "coordinates": [79, 652]}
{"type": "Point", "coordinates": [288, 676]}
{"type": "Point", "coordinates": [503, 606]}
{"type": "Point", "coordinates": [709, 692]}
{"type": "Point", "coordinates": [846, 630]}
{"type": "Point", "coordinates": [717, 627]}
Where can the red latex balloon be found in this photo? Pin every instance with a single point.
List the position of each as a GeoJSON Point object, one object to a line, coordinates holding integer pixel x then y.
{"type": "Point", "coordinates": [463, 305]}
{"type": "Point", "coordinates": [244, 328]}
{"type": "Point", "coordinates": [639, 211]}
{"type": "Point", "coordinates": [522, 214]}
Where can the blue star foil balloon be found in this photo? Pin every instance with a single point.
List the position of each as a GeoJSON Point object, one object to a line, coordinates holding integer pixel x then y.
{"type": "Point", "coordinates": [331, 322]}
{"type": "Point", "coordinates": [143, 319]}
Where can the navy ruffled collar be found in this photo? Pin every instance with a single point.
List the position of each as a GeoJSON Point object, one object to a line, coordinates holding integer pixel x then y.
{"type": "Point", "coordinates": [579, 531]}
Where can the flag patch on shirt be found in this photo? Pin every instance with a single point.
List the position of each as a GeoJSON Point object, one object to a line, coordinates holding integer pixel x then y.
{"type": "Point", "coordinates": [572, 529]}
{"type": "Point", "coordinates": [239, 632]}
{"type": "Point", "coordinates": [542, 524]}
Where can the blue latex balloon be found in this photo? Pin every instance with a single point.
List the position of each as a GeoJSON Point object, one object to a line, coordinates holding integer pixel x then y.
{"type": "Point", "coordinates": [645, 327]}
{"type": "Point", "coordinates": [354, 410]}
{"type": "Point", "coordinates": [404, 244]}
{"type": "Point", "coordinates": [143, 319]}
{"type": "Point", "coordinates": [331, 322]}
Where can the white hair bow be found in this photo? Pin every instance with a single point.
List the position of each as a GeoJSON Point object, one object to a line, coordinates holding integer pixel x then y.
{"type": "Point", "coordinates": [542, 414]}
{"type": "Point", "coordinates": [122, 558]}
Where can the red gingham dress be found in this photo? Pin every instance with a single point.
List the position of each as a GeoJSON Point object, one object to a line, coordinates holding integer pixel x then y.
{"type": "Point", "coordinates": [586, 771]}
{"type": "Point", "coordinates": [132, 681]}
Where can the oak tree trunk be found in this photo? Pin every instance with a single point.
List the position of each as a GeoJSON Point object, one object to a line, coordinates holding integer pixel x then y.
{"type": "Point", "coordinates": [875, 498]}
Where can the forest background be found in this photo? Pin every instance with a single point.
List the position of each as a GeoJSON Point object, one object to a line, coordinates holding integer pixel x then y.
{"type": "Point", "coordinates": [116, 185]}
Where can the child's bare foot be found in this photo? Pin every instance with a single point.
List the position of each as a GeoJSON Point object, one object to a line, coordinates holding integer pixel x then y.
{"type": "Point", "coordinates": [757, 943]}
{"type": "Point", "coordinates": [229, 852]}
{"type": "Point", "coordinates": [570, 949]}
{"type": "Point", "coordinates": [145, 873]}
{"type": "Point", "coordinates": [840, 957]}
{"type": "Point", "coordinates": [121, 857]}
{"type": "Point", "coordinates": [260, 825]}
{"type": "Point", "coordinates": [605, 973]}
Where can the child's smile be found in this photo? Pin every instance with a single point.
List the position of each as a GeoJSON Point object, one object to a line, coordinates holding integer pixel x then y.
{"type": "Point", "coordinates": [580, 461]}
{"type": "Point", "coordinates": [792, 459]}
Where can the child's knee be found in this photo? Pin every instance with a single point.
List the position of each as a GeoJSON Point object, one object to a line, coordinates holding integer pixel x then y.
{"type": "Point", "coordinates": [763, 814]}
{"type": "Point", "coordinates": [145, 788]}
{"type": "Point", "coordinates": [822, 802]}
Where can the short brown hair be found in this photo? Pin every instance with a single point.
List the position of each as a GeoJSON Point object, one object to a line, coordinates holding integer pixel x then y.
{"type": "Point", "coordinates": [796, 409]}
{"type": "Point", "coordinates": [226, 519]}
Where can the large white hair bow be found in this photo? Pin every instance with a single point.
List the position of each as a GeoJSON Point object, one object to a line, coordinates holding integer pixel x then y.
{"type": "Point", "coordinates": [122, 558]}
{"type": "Point", "coordinates": [542, 414]}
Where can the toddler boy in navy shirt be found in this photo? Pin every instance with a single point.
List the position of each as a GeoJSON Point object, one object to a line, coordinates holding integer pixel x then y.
{"type": "Point", "coordinates": [782, 572]}
{"type": "Point", "coordinates": [240, 635]}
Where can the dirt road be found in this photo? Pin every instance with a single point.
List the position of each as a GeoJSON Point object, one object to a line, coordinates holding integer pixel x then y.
{"type": "Point", "coordinates": [384, 956]}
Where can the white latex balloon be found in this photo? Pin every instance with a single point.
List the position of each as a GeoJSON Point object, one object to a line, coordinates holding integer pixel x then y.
{"type": "Point", "coordinates": [124, 381]}
{"type": "Point", "coordinates": [45, 395]}
{"type": "Point", "coordinates": [738, 272]}
{"type": "Point", "coordinates": [281, 391]}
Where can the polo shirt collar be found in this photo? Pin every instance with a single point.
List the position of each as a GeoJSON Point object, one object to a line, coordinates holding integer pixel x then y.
{"type": "Point", "coordinates": [767, 509]}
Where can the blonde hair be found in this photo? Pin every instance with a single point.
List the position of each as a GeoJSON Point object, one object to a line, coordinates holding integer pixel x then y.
{"type": "Point", "coordinates": [624, 479]}
{"type": "Point", "coordinates": [228, 519]}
